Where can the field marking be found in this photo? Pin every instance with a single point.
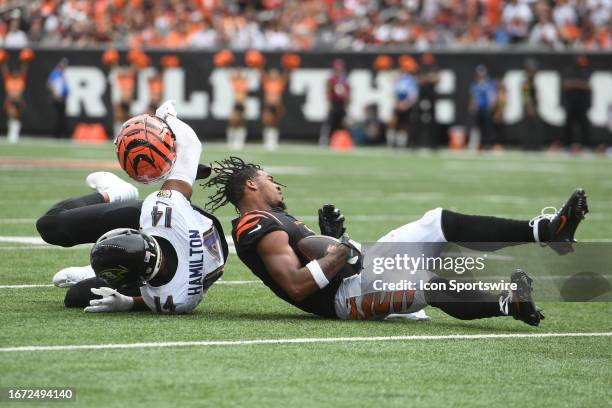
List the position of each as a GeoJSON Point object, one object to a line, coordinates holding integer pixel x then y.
{"type": "Point", "coordinates": [17, 220]}
{"type": "Point", "coordinates": [35, 242]}
{"type": "Point", "coordinates": [7, 163]}
{"type": "Point", "coordinates": [23, 240]}
{"type": "Point", "coordinates": [219, 282]}
{"type": "Point", "coordinates": [42, 247]}
{"type": "Point", "coordinates": [206, 343]}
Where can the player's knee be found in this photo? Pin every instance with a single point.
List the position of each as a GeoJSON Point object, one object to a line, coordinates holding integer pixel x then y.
{"type": "Point", "coordinates": [80, 294]}
{"type": "Point", "coordinates": [48, 228]}
{"type": "Point", "coordinates": [436, 297]}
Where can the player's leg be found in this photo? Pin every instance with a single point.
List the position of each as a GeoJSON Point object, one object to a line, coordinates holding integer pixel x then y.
{"type": "Point", "coordinates": [351, 303]}
{"type": "Point", "coordinates": [476, 304]}
{"type": "Point", "coordinates": [391, 132]}
{"type": "Point", "coordinates": [13, 112]}
{"type": "Point", "coordinates": [270, 130]}
{"type": "Point", "coordinates": [84, 219]}
{"type": "Point", "coordinates": [439, 226]}
{"type": "Point", "coordinates": [403, 124]}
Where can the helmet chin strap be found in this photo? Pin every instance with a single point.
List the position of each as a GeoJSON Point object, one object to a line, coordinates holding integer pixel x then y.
{"type": "Point", "coordinates": [157, 261]}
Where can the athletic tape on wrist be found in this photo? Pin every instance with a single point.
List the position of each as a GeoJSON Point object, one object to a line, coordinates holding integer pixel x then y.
{"type": "Point", "coordinates": [317, 274]}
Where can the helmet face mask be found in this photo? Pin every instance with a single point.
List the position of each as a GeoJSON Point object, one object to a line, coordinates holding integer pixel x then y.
{"type": "Point", "coordinates": [126, 257]}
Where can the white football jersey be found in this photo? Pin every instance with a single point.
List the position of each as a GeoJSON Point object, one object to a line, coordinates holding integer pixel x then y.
{"type": "Point", "coordinates": [169, 215]}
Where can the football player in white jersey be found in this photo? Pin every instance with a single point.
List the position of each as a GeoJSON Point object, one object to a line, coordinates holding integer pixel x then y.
{"type": "Point", "coordinates": [166, 262]}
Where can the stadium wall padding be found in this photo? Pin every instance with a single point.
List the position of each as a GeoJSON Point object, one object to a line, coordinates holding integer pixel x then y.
{"type": "Point", "coordinates": [204, 96]}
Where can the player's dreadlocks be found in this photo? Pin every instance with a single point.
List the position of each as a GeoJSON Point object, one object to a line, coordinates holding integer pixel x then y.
{"type": "Point", "coordinates": [231, 175]}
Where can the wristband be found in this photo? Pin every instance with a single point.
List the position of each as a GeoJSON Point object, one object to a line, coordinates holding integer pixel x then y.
{"type": "Point", "coordinates": [317, 274]}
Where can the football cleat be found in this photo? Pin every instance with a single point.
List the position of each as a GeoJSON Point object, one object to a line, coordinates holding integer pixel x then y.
{"type": "Point", "coordinates": [563, 223]}
{"type": "Point", "coordinates": [116, 188]}
{"type": "Point", "coordinates": [518, 303]}
{"type": "Point", "coordinates": [419, 316]}
{"type": "Point", "coordinates": [69, 277]}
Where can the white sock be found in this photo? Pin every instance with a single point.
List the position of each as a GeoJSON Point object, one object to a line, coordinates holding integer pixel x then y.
{"type": "Point", "coordinates": [390, 135]}
{"type": "Point", "coordinates": [270, 138]}
{"type": "Point", "coordinates": [116, 128]}
{"type": "Point", "coordinates": [402, 139]}
{"type": "Point", "coordinates": [230, 137]}
{"type": "Point", "coordinates": [536, 231]}
{"type": "Point", "coordinates": [241, 134]}
{"type": "Point", "coordinates": [14, 126]}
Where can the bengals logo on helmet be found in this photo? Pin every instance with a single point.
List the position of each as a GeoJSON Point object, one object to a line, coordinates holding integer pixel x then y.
{"type": "Point", "coordinates": [145, 148]}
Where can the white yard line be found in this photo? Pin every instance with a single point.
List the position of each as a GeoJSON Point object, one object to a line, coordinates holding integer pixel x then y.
{"type": "Point", "coordinates": [17, 220]}
{"type": "Point", "coordinates": [220, 282]}
{"type": "Point", "coordinates": [207, 343]}
{"type": "Point", "coordinates": [42, 247]}
{"type": "Point", "coordinates": [23, 240]}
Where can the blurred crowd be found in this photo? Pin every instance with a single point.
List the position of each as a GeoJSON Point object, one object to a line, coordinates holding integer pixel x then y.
{"type": "Point", "coordinates": [414, 122]}
{"type": "Point", "coordinates": [306, 24]}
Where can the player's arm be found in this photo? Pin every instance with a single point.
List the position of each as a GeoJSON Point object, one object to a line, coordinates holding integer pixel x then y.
{"type": "Point", "coordinates": [284, 266]}
{"type": "Point", "coordinates": [188, 151]}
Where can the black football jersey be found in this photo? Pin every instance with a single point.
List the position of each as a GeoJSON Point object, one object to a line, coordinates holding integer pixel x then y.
{"type": "Point", "coordinates": [251, 227]}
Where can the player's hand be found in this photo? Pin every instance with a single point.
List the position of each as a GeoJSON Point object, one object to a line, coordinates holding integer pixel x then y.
{"type": "Point", "coordinates": [331, 221]}
{"type": "Point", "coordinates": [166, 109]}
{"type": "Point", "coordinates": [112, 301]}
{"type": "Point", "coordinates": [354, 254]}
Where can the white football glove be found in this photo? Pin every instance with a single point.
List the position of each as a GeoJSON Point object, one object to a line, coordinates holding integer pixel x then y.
{"type": "Point", "coordinates": [112, 301]}
{"type": "Point", "coordinates": [166, 109]}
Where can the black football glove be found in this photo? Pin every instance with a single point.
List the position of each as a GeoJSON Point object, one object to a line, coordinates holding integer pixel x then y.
{"type": "Point", "coordinates": [203, 172]}
{"type": "Point", "coordinates": [331, 221]}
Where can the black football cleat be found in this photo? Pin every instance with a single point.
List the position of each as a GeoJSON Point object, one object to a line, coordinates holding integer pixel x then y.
{"type": "Point", "coordinates": [563, 223]}
{"type": "Point", "coordinates": [519, 302]}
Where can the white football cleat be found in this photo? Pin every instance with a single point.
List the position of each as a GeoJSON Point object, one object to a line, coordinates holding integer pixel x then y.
{"type": "Point", "coordinates": [70, 276]}
{"type": "Point", "coordinates": [420, 316]}
{"type": "Point", "coordinates": [166, 109]}
{"type": "Point", "coordinates": [116, 188]}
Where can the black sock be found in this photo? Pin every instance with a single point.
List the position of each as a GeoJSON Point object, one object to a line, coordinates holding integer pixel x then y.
{"type": "Point", "coordinates": [543, 231]}
{"type": "Point", "coordinates": [82, 201]}
{"type": "Point", "coordinates": [461, 228]}
{"type": "Point", "coordinates": [464, 305]}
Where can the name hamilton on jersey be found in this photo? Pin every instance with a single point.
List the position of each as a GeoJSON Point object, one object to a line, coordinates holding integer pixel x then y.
{"type": "Point", "coordinates": [196, 262]}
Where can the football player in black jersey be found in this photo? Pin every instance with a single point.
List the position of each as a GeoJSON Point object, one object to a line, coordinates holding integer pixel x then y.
{"type": "Point", "coordinates": [266, 237]}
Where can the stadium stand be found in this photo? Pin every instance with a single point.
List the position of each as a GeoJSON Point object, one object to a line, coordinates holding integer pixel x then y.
{"type": "Point", "coordinates": [303, 25]}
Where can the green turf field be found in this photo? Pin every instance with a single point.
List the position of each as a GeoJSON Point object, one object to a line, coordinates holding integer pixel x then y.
{"type": "Point", "coordinates": [377, 190]}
